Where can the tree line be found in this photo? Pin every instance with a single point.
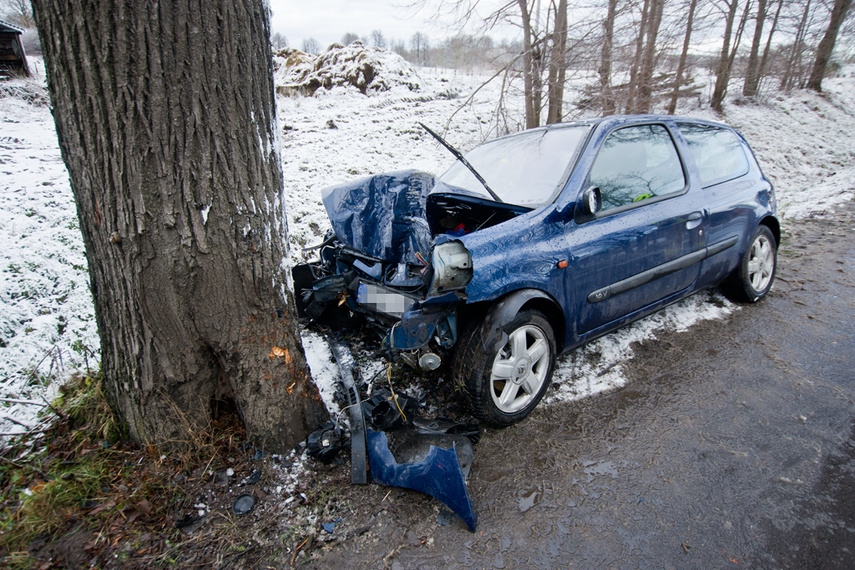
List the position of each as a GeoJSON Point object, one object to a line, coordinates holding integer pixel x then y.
{"type": "Point", "coordinates": [639, 56]}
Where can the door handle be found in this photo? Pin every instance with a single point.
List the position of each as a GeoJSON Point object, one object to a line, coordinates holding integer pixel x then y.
{"type": "Point", "coordinates": [694, 220]}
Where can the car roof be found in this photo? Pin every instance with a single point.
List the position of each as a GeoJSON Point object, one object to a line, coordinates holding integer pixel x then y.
{"type": "Point", "coordinates": [610, 121]}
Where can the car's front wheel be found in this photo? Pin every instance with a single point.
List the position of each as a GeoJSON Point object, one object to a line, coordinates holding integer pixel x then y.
{"type": "Point", "coordinates": [503, 386]}
{"type": "Point", "coordinates": [756, 272]}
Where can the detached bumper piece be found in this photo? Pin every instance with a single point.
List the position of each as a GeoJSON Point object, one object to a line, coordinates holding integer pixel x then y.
{"type": "Point", "coordinates": [435, 464]}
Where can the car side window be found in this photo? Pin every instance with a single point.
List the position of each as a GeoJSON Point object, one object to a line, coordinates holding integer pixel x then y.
{"type": "Point", "coordinates": [717, 152]}
{"type": "Point", "coordinates": [637, 163]}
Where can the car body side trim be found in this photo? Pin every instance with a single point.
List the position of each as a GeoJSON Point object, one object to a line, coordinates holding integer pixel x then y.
{"type": "Point", "coordinates": [660, 271]}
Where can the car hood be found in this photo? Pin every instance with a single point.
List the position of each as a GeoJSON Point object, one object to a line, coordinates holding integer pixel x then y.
{"type": "Point", "coordinates": [383, 216]}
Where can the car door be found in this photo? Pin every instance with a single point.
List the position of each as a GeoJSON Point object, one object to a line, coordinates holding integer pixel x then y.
{"type": "Point", "coordinates": [645, 244]}
{"type": "Point", "coordinates": [730, 190]}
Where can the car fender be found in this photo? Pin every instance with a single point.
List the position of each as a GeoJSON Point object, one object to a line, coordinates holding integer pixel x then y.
{"type": "Point", "coordinates": [504, 311]}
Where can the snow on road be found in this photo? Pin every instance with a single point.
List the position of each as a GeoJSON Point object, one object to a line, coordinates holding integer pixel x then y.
{"type": "Point", "coordinates": [47, 327]}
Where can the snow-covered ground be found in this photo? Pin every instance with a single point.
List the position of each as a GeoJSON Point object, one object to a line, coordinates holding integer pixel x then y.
{"type": "Point", "coordinates": [47, 327]}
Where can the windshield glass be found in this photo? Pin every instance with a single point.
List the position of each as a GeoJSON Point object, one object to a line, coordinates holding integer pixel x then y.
{"type": "Point", "coordinates": [524, 169]}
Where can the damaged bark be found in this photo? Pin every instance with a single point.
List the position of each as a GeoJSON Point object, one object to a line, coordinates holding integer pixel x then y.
{"type": "Point", "coordinates": [165, 116]}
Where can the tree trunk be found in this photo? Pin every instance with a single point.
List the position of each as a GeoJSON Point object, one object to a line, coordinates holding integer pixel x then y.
{"type": "Point", "coordinates": [648, 62]}
{"type": "Point", "coordinates": [605, 71]}
{"type": "Point", "coordinates": [532, 113]}
{"type": "Point", "coordinates": [794, 60]}
{"type": "Point", "coordinates": [635, 69]}
{"type": "Point", "coordinates": [165, 116]}
{"type": "Point", "coordinates": [557, 65]}
{"type": "Point", "coordinates": [740, 29]}
{"type": "Point", "coordinates": [761, 72]}
{"type": "Point", "coordinates": [752, 74]}
{"type": "Point", "coordinates": [681, 66]}
{"type": "Point", "coordinates": [722, 74]}
{"type": "Point", "coordinates": [826, 45]}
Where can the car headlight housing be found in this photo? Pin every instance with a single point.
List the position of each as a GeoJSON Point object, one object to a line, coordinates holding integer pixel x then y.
{"type": "Point", "coordinates": [452, 267]}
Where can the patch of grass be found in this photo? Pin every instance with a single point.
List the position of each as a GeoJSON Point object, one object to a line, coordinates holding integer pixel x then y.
{"type": "Point", "coordinates": [46, 488]}
{"type": "Point", "coordinates": [83, 483]}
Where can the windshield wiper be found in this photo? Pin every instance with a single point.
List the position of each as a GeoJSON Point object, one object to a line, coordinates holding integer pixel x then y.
{"type": "Point", "coordinates": [459, 156]}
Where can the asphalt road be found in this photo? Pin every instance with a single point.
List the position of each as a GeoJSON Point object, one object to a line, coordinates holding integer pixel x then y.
{"type": "Point", "coordinates": [733, 446]}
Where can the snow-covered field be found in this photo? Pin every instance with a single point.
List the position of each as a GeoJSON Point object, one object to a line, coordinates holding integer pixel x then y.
{"type": "Point", "coordinates": [47, 327]}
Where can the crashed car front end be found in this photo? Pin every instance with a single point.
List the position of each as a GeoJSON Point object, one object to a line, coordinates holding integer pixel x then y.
{"type": "Point", "coordinates": [400, 253]}
{"type": "Point", "coordinates": [381, 262]}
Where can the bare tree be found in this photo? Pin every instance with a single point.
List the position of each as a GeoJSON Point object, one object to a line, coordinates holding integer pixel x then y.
{"type": "Point", "coordinates": [311, 46]}
{"type": "Point", "coordinates": [557, 65]}
{"type": "Point", "coordinates": [752, 74]}
{"type": "Point", "coordinates": [377, 39]}
{"type": "Point", "coordinates": [19, 12]}
{"type": "Point", "coordinates": [761, 71]}
{"type": "Point", "coordinates": [684, 54]}
{"type": "Point", "coordinates": [826, 45]}
{"type": "Point", "coordinates": [349, 38]}
{"type": "Point", "coordinates": [635, 68]}
{"type": "Point", "coordinates": [530, 68]}
{"type": "Point", "coordinates": [606, 55]}
{"type": "Point", "coordinates": [278, 41]}
{"type": "Point", "coordinates": [166, 121]}
{"type": "Point", "coordinates": [419, 46]}
{"type": "Point", "coordinates": [725, 63]}
{"type": "Point", "coordinates": [790, 77]}
{"type": "Point", "coordinates": [648, 60]}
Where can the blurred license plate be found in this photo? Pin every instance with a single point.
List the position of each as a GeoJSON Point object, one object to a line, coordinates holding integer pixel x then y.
{"type": "Point", "coordinates": [382, 300]}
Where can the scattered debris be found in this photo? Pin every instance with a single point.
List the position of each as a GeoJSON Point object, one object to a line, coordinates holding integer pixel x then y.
{"type": "Point", "coordinates": [402, 449]}
{"type": "Point", "coordinates": [330, 526]}
{"type": "Point", "coordinates": [244, 504]}
{"type": "Point", "coordinates": [325, 442]}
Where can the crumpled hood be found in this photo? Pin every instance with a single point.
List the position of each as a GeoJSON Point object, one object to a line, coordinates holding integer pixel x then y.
{"type": "Point", "coordinates": [383, 216]}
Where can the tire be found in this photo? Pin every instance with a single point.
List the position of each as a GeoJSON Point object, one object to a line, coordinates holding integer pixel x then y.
{"type": "Point", "coordinates": [756, 272]}
{"type": "Point", "coordinates": [503, 387]}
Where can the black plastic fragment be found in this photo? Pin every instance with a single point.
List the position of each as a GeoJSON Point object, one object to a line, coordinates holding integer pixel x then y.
{"type": "Point", "coordinates": [243, 504]}
{"type": "Point", "coordinates": [358, 451]}
{"type": "Point", "coordinates": [385, 411]}
{"type": "Point", "coordinates": [325, 442]}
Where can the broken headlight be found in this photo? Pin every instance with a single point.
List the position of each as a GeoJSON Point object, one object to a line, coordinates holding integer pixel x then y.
{"type": "Point", "coordinates": [452, 267]}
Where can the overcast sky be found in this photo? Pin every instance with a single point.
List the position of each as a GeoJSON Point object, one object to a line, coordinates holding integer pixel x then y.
{"type": "Point", "coordinates": [328, 20]}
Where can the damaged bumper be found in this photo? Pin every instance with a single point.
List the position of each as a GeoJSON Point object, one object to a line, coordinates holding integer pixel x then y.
{"type": "Point", "coordinates": [430, 468]}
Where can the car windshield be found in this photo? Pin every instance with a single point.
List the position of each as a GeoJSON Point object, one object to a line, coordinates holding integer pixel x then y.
{"type": "Point", "coordinates": [524, 169]}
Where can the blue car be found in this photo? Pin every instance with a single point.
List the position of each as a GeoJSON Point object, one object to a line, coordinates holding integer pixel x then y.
{"type": "Point", "coordinates": [535, 243]}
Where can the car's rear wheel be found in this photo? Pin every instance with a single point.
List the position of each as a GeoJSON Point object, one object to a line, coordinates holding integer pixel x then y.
{"type": "Point", "coordinates": [503, 386]}
{"type": "Point", "coordinates": [756, 272]}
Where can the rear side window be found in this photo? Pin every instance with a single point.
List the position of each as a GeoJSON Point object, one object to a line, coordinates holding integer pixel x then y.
{"type": "Point", "coordinates": [718, 153]}
{"type": "Point", "coordinates": [635, 164]}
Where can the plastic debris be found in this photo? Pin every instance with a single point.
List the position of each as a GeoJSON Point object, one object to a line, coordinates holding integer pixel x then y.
{"type": "Point", "coordinates": [438, 473]}
{"type": "Point", "coordinates": [243, 504]}
{"type": "Point", "coordinates": [330, 526]}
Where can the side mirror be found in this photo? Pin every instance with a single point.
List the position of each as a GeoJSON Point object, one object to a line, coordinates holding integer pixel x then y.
{"type": "Point", "coordinates": [592, 201]}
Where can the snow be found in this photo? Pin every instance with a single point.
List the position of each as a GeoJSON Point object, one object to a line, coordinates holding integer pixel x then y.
{"type": "Point", "coordinates": [47, 326]}
{"type": "Point", "coordinates": [365, 69]}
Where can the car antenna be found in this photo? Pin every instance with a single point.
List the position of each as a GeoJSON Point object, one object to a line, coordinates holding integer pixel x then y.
{"type": "Point", "coordinates": [459, 156]}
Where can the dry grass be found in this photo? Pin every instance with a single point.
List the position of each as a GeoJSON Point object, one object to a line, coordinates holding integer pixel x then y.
{"type": "Point", "coordinates": [83, 479]}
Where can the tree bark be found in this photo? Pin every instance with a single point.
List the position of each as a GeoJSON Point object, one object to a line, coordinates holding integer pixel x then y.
{"type": "Point", "coordinates": [752, 75]}
{"type": "Point", "coordinates": [557, 65]}
{"type": "Point", "coordinates": [826, 45]}
{"type": "Point", "coordinates": [681, 66]}
{"type": "Point", "coordinates": [605, 71]}
{"type": "Point", "coordinates": [166, 121]}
